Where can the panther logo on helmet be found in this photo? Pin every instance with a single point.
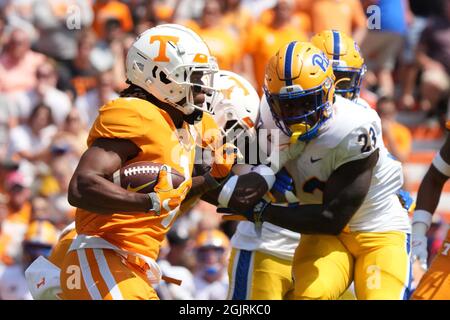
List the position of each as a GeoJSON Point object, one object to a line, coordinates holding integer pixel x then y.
{"type": "Point", "coordinates": [299, 87]}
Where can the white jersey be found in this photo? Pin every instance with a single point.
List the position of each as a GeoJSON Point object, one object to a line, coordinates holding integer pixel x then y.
{"type": "Point", "coordinates": [352, 133]}
{"type": "Point", "coordinates": [273, 239]}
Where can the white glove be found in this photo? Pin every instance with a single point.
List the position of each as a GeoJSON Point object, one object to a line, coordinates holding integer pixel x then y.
{"type": "Point", "coordinates": [419, 250]}
{"type": "Point", "coordinates": [420, 225]}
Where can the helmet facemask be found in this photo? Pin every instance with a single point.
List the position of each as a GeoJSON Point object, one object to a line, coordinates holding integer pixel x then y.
{"type": "Point", "coordinates": [192, 80]}
{"type": "Point", "coordinates": [300, 114]}
{"type": "Point", "coordinates": [348, 81]}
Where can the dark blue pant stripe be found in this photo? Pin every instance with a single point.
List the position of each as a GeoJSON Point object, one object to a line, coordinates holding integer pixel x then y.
{"type": "Point", "coordinates": [241, 275]}
{"type": "Point", "coordinates": [407, 293]}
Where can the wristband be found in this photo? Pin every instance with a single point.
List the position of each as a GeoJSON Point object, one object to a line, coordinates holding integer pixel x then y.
{"type": "Point", "coordinates": [422, 216]}
{"type": "Point", "coordinates": [154, 202]}
{"type": "Point", "coordinates": [227, 191]}
{"type": "Point", "coordinates": [440, 164]}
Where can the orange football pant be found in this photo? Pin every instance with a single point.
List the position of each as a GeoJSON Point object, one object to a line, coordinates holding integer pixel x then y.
{"type": "Point", "coordinates": [435, 284]}
{"type": "Point", "coordinates": [102, 274]}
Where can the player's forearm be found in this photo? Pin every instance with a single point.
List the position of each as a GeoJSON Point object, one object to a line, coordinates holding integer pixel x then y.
{"type": "Point", "coordinates": [306, 219]}
{"type": "Point", "coordinates": [430, 190]}
{"type": "Point", "coordinates": [95, 193]}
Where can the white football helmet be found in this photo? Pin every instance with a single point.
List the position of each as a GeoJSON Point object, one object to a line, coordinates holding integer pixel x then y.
{"type": "Point", "coordinates": [166, 59]}
{"type": "Point", "coordinates": [235, 105]}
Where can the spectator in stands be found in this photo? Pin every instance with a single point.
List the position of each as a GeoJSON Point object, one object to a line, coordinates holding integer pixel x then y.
{"type": "Point", "coordinates": [417, 21]}
{"type": "Point", "coordinates": [434, 57]}
{"type": "Point", "coordinates": [89, 103]}
{"type": "Point", "coordinates": [107, 9]}
{"type": "Point", "coordinates": [62, 169]}
{"type": "Point", "coordinates": [171, 291]}
{"type": "Point", "coordinates": [3, 23]}
{"type": "Point", "coordinates": [38, 241]}
{"type": "Point", "coordinates": [81, 72]}
{"type": "Point", "coordinates": [344, 15]}
{"type": "Point", "coordinates": [19, 14]}
{"type": "Point", "coordinates": [41, 209]}
{"type": "Point", "coordinates": [381, 47]}
{"type": "Point", "coordinates": [7, 117]}
{"type": "Point", "coordinates": [45, 92]}
{"type": "Point", "coordinates": [397, 137]}
{"type": "Point", "coordinates": [17, 219]}
{"type": "Point", "coordinates": [264, 40]}
{"type": "Point", "coordinates": [109, 53]}
{"type": "Point", "coordinates": [18, 64]}
{"type": "Point", "coordinates": [210, 278]}
{"type": "Point", "coordinates": [72, 136]}
{"type": "Point", "coordinates": [238, 18]}
{"type": "Point", "coordinates": [220, 40]}
{"type": "Point", "coordinates": [181, 245]}
{"type": "Point", "coordinates": [29, 143]}
{"type": "Point", "coordinates": [58, 28]}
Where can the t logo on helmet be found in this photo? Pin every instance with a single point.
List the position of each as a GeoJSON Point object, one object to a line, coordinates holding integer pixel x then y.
{"type": "Point", "coordinates": [163, 40]}
{"type": "Point", "coordinates": [320, 60]}
{"type": "Point", "coordinates": [227, 92]}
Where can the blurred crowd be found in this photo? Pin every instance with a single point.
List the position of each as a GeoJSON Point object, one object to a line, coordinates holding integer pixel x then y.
{"type": "Point", "coordinates": [60, 60]}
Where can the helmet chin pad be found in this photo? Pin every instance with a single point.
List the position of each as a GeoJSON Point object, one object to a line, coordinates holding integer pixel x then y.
{"type": "Point", "coordinates": [298, 130]}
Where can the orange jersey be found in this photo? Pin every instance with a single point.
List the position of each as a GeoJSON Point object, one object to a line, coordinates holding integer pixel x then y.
{"type": "Point", "coordinates": [12, 232]}
{"type": "Point", "coordinates": [344, 15]}
{"type": "Point", "coordinates": [239, 22]}
{"type": "Point", "coordinates": [221, 42]}
{"type": "Point", "coordinates": [402, 137]}
{"type": "Point", "coordinates": [299, 20]}
{"type": "Point", "coordinates": [153, 131]}
{"type": "Point", "coordinates": [264, 41]}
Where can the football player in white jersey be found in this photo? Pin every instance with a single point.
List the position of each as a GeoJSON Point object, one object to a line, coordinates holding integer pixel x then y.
{"type": "Point", "coordinates": [255, 255]}
{"type": "Point", "coordinates": [349, 69]}
{"type": "Point", "coordinates": [352, 223]}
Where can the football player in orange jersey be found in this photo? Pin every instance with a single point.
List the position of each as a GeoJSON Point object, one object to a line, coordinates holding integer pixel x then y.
{"type": "Point", "coordinates": [169, 68]}
{"type": "Point", "coordinates": [435, 284]}
{"type": "Point", "coordinates": [232, 89]}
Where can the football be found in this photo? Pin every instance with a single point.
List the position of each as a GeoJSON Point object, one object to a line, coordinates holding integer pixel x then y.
{"type": "Point", "coordinates": [142, 176]}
